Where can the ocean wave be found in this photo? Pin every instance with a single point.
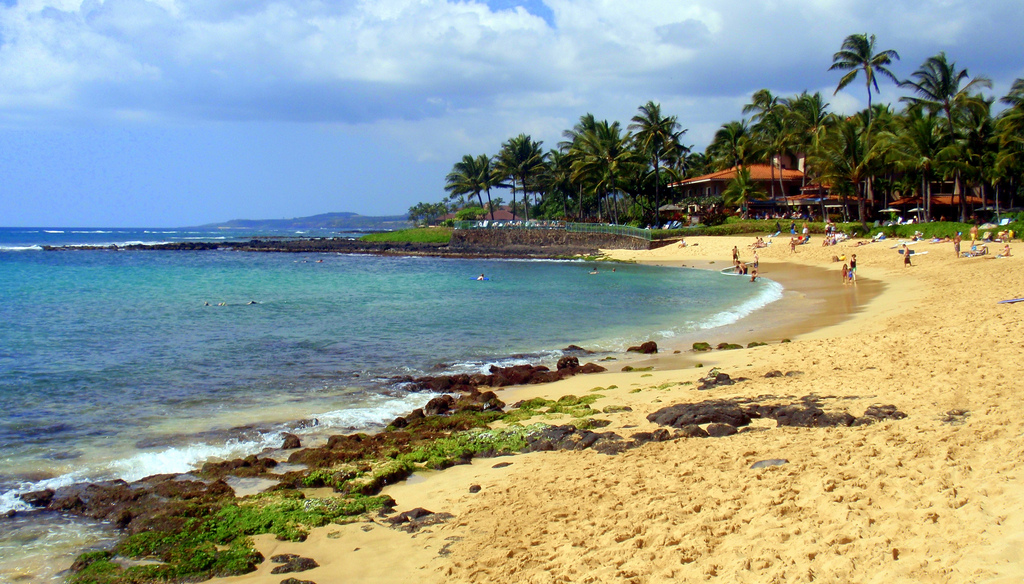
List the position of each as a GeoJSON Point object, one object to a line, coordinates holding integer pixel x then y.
{"type": "Point", "coordinates": [20, 248]}
{"type": "Point", "coordinates": [80, 232]}
{"type": "Point", "coordinates": [771, 292]}
{"type": "Point", "coordinates": [376, 411]}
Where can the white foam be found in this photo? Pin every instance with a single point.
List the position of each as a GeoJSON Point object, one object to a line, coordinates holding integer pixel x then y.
{"type": "Point", "coordinates": [378, 410]}
{"type": "Point", "coordinates": [51, 231]}
{"type": "Point", "coordinates": [184, 459]}
{"type": "Point", "coordinates": [20, 248]}
{"type": "Point", "coordinates": [771, 291]}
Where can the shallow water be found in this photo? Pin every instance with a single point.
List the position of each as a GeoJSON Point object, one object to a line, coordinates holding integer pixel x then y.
{"type": "Point", "coordinates": [125, 364]}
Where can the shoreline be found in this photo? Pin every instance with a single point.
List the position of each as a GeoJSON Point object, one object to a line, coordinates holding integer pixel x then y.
{"type": "Point", "coordinates": [448, 552]}
{"type": "Point", "coordinates": [935, 497]}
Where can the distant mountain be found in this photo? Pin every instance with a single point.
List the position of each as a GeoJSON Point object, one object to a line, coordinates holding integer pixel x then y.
{"type": "Point", "coordinates": [322, 221]}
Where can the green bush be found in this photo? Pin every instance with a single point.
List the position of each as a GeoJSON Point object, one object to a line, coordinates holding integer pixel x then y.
{"type": "Point", "coordinates": [417, 235]}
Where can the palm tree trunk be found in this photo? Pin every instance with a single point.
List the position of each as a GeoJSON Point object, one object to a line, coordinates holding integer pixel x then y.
{"type": "Point", "coordinates": [657, 193]}
{"type": "Point", "coordinates": [958, 185]}
{"type": "Point", "coordinates": [862, 216]}
{"type": "Point", "coordinates": [490, 205]}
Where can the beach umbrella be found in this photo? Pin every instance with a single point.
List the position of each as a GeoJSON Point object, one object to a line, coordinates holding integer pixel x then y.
{"type": "Point", "coordinates": [890, 210]}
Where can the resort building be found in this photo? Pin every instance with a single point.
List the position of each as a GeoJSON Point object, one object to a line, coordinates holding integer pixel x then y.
{"type": "Point", "coordinates": [779, 183]}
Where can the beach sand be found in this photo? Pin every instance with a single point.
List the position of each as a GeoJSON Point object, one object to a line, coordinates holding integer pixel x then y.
{"type": "Point", "coordinates": [935, 497]}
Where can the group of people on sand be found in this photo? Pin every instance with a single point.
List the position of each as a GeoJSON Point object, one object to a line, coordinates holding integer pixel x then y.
{"type": "Point", "coordinates": [742, 268]}
{"type": "Point", "coordinates": [850, 270]}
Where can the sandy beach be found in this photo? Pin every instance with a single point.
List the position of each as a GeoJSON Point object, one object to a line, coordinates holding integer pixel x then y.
{"type": "Point", "coordinates": [935, 497]}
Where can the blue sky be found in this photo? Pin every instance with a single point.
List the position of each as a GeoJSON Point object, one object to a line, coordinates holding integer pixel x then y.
{"type": "Point", "coordinates": [163, 113]}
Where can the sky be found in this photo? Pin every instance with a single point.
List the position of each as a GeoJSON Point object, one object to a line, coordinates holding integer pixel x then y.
{"type": "Point", "coordinates": [171, 113]}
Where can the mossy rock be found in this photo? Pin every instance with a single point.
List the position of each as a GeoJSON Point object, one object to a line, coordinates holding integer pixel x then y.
{"type": "Point", "coordinates": [629, 368]}
{"type": "Point", "coordinates": [785, 341]}
{"type": "Point", "coordinates": [753, 344]}
{"type": "Point", "coordinates": [700, 347]}
{"type": "Point", "coordinates": [728, 346]}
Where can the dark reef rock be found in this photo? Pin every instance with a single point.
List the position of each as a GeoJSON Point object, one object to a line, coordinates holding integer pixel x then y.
{"type": "Point", "coordinates": [706, 412]}
{"type": "Point", "coordinates": [291, 442]}
{"type": "Point", "coordinates": [37, 498]}
{"type": "Point", "coordinates": [805, 413]}
{"type": "Point", "coordinates": [293, 563]}
{"type": "Point", "coordinates": [719, 430]}
{"type": "Point", "coordinates": [648, 348]}
{"type": "Point", "coordinates": [568, 362]}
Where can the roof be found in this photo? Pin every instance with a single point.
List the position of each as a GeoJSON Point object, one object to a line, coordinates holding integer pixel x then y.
{"type": "Point", "coordinates": [761, 172]}
{"type": "Point", "coordinates": [947, 200]}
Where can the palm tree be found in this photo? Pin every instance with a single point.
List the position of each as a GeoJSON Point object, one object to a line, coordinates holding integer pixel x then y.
{"type": "Point", "coordinates": [520, 159]}
{"type": "Point", "coordinates": [741, 190]}
{"type": "Point", "coordinates": [601, 157]}
{"type": "Point", "coordinates": [938, 89]}
{"type": "Point", "coordinates": [1010, 126]}
{"type": "Point", "coordinates": [809, 119]}
{"type": "Point", "coordinates": [917, 146]}
{"type": "Point", "coordinates": [731, 145]}
{"type": "Point", "coordinates": [858, 54]}
{"type": "Point", "coordinates": [658, 137]}
{"type": "Point", "coordinates": [465, 178]}
{"type": "Point", "coordinates": [844, 161]}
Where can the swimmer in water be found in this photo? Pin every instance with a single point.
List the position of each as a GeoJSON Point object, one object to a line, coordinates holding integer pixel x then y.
{"type": "Point", "coordinates": [480, 277]}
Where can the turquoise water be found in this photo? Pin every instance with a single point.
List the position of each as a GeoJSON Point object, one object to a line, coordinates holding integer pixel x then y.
{"type": "Point", "coordinates": [113, 365]}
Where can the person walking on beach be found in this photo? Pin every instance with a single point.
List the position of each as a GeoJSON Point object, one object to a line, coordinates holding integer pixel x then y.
{"type": "Point", "coordinates": [956, 244]}
{"type": "Point", "coordinates": [757, 260]}
{"type": "Point", "coordinates": [906, 256]}
{"type": "Point", "coordinates": [853, 268]}
{"type": "Point", "coordinates": [974, 234]}
{"type": "Point", "coordinates": [735, 254]}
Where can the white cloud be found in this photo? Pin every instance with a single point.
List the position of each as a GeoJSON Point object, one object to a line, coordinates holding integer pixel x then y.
{"type": "Point", "coordinates": [453, 63]}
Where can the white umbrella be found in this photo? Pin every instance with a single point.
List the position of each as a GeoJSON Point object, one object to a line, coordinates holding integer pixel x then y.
{"type": "Point", "coordinates": [915, 210]}
{"type": "Point", "coordinates": [890, 210]}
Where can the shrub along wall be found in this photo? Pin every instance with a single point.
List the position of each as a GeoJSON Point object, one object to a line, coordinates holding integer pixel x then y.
{"type": "Point", "coordinates": [543, 238]}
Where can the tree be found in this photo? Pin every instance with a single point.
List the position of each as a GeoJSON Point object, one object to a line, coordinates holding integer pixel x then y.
{"type": "Point", "coordinates": [426, 212]}
{"type": "Point", "coordinates": [520, 159]}
{"type": "Point", "coordinates": [600, 158]}
{"type": "Point", "coordinates": [741, 190]}
{"type": "Point", "coordinates": [809, 120]}
{"type": "Point", "coordinates": [466, 178]}
{"type": "Point", "coordinates": [658, 137]}
{"type": "Point", "coordinates": [938, 89]}
{"type": "Point", "coordinates": [731, 145]}
{"type": "Point", "coordinates": [917, 146]}
{"type": "Point", "coordinates": [844, 161]}
{"type": "Point", "coordinates": [858, 54]}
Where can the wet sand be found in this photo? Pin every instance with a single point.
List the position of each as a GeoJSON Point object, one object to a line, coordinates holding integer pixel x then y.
{"type": "Point", "coordinates": [936, 497]}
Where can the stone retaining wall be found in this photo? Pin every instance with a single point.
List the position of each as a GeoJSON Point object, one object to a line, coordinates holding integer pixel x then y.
{"type": "Point", "coordinates": [492, 238]}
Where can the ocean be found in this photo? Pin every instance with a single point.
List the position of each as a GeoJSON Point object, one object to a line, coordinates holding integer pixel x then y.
{"type": "Point", "coordinates": [123, 364]}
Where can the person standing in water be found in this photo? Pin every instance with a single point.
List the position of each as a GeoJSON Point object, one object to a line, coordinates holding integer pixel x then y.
{"type": "Point", "coordinates": [853, 268]}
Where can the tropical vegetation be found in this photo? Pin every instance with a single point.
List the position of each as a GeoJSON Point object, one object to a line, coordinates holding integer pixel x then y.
{"type": "Point", "coordinates": [946, 137]}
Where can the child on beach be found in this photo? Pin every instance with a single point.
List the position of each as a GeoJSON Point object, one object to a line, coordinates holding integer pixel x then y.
{"type": "Point", "coordinates": [846, 274]}
{"type": "Point", "coordinates": [906, 255]}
